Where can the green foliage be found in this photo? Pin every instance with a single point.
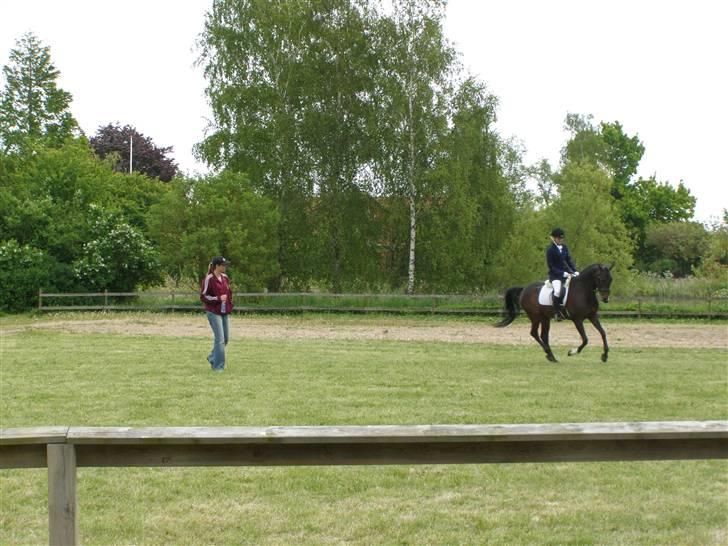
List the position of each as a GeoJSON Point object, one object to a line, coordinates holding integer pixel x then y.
{"type": "Point", "coordinates": [219, 215]}
{"type": "Point", "coordinates": [522, 258]}
{"type": "Point", "coordinates": [648, 202]}
{"type": "Point", "coordinates": [412, 96]}
{"type": "Point", "coordinates": [32, 106]}
{"type": "Point", "coordinates": [290, 89]}
{"type": "Point", "coordinates": [634, 283]}
{"type": "Point", "coordinates": [622, 155]}
{"type": "Point", "coordinates": [606, 146]}
{"type": "Point", "coordinates": [50, 198]}
{"type": "Point", "coordinates": [677, 246]}
{"type": "Point", "coordinates": [472, 202]}
{"type": "Point", "coordinates": [118, 257]}
{"type": "Point", "coordinates": [23, 270]}
{"type": "Point", "coordinates": [714, 264]}
{"type": "Point", "coordinates": [52, 191]}
{"type": "Point", "coordinates": [586, 210]}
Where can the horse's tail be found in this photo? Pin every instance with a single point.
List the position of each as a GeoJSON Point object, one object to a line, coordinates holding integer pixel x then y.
{"type": "Point", "coordinates": [510, 305]}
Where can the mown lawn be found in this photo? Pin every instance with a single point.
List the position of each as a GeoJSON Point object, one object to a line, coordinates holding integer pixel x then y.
{"type": "Point", "coordinates": [54, 378]}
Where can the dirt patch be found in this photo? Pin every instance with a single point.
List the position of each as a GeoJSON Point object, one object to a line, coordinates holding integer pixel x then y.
{"type": "Point", "coordinates": [622, 334]}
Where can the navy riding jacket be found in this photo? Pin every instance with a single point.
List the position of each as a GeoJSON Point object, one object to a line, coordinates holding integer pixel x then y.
{"type": "Point", "coordinates": [559, 262]}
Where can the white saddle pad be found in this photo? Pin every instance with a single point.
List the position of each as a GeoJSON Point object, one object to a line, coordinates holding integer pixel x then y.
{"type": "Point", "coordinates": [546, 294]}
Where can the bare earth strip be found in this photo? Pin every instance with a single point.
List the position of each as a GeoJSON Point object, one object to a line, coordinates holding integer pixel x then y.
{"type": "Point", "coordinates": [623, 334]}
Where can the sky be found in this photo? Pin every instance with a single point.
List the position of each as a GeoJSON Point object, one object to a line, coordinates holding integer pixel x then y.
{"type": "Point", "coordinates": [656, 66]}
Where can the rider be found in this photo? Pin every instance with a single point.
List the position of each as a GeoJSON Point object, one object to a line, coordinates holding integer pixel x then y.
{"type": "Point", "coordinates": [560, 267]}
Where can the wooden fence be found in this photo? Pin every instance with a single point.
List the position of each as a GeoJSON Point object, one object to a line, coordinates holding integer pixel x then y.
{"type": "Point", "coordinates": [63, 449]}
{"type": "Point", "coordinates": [249, 302]}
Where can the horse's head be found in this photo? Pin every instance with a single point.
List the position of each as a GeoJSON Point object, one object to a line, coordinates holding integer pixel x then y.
{"type": "Point", "coordinates": [603, 280]}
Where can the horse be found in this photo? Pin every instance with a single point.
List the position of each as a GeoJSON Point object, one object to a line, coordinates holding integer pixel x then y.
{"type": "Point", "coordinates": [581, 304]}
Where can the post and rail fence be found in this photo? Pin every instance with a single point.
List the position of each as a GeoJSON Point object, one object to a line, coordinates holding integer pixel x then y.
{"type": "Point", "coordinates": [63, 449]}
{"type": "Point", "coordinates": [301, 302]}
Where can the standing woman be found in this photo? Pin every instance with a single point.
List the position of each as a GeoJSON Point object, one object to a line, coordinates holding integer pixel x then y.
{"type": "Point", "coordinates": [218, 300]}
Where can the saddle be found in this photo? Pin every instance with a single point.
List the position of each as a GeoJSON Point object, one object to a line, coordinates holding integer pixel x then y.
{"type": "Point", "coordinates": [546, 294]}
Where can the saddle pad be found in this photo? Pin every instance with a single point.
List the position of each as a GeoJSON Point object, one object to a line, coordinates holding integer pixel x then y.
{"type": "Point", "coordinates": [546, 294]}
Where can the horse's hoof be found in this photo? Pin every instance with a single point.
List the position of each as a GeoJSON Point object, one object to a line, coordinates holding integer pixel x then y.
{"type": "Point", "coordinates": [604, 357]}
{"type": "Point", "coordinates": [573, 352]}
{"type": "Point", "coordinates": [551, 358]}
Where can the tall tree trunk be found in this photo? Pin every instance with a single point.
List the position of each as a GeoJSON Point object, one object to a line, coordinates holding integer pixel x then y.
{"type": "Point", "coordinates": [412, 203]}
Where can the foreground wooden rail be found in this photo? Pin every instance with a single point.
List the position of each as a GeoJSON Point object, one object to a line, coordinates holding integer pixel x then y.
{"type": "Point", "coordinates": [63, 449]}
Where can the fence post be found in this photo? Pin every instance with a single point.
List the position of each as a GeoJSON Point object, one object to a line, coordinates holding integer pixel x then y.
{"type": "Point", "coordinates": [106, 299]}
{"type": "Point", "coordinates": [62, 505]}
{"type": "Point", "coordinates": [40, 299]}
{"type": "Point", "coordinates": [639, 307]}
{"type": "Point", "coordinates": [173, 301]}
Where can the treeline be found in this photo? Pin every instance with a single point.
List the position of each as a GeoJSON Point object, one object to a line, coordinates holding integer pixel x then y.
{"type": "Point", "coordinates": [350, 152]}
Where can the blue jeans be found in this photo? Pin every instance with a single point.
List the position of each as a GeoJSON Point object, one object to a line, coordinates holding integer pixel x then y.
{"type": "Point", "coordinates": [221, 331]}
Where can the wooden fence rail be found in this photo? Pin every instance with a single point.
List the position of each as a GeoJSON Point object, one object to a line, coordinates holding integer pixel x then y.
{"type": "Point", "coordinates": [63, 449]}
{"type": "Point", "coordinates": [454, 304]}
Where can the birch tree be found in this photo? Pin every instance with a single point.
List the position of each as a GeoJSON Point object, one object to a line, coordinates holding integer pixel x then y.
{"type": "Point", "coordinates": [416, 63]}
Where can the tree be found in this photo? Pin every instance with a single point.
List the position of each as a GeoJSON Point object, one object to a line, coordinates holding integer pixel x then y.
{"type": "Point", "coordinates": [32, 106]}
{"type": "Point", "coordinates": [588, 213]}
{"type": "Point", "coordinates": [585, 209]}
{"type": "Point", "coordinates": [277, 84]}
{"type": "Point", "coordinates": [217, 215]}
{"type": "Point", "coordinates": [470, 202]}
{"type": "Point", "coordinates": [543, 175]}
{"type": "Point", "coordinates": [117, 258]}
{"type": "Point", "coordinates": [607, 146]}
{"type": "Point", "coordinates": [641, 202]}
{"type": "Point", "coordinates": [622, 155]}
{"type": "Point", "coordinates": [147, 158]}
{"type": "Point", "coordinates": [715, 261]}
{"type": "Point", "coordinates": [679, 246]}
{"type": "Point", "coordinates": [23, 270]}
{"type": "Point", "coordinates": [48, 200]}
{"type": "Point", "coordinates": [416, 62]}
{"type": "Point", "coordinates": [648, 202]}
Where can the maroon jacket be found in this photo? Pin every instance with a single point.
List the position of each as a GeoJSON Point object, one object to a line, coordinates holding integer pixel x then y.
{"type": "Point", "coordinates": [210, 291]}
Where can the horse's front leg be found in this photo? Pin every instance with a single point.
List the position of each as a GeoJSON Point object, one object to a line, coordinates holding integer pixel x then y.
{"type": "Point", "coordinates": [545, 327]}
{"type": "Point", "coordinates": [584, 340]}
{"type": "Point", "coordinates": [595, 321]}
{"type": "Point", "coordinates": [534, 335]}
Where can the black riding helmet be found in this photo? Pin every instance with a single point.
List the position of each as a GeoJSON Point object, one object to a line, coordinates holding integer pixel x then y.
{"type": "Point", "coordinates": [557, 232]}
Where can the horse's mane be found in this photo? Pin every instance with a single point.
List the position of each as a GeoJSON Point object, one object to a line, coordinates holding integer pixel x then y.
{"type": "Point", "coordinates": [588, 270]}
{"type": "Point", "coordinates": [588, 274]}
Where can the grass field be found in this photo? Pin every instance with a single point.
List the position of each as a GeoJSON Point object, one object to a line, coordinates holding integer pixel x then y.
{"type": "Point", "coordinates": [97, 379]}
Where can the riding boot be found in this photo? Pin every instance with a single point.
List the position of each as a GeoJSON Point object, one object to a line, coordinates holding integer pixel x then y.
{"type": "Point", "coordinates": [558, 309]}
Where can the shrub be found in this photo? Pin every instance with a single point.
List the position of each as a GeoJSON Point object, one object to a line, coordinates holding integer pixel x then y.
{"type": "Point", "coordinates": [119, 257]}
{"type": "Point", "coordinates": [23, 270]}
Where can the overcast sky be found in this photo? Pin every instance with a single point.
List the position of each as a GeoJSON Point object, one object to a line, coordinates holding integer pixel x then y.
{"type": "Point", "coordinates": [656, 66]}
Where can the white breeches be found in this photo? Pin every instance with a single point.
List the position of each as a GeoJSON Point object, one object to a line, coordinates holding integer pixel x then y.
{"type": "Point", "coordinates": [557, 288]}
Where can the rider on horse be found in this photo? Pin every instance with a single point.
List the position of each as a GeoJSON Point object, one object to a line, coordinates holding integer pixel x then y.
{"type": "Point", "coordinates": [560, 267]}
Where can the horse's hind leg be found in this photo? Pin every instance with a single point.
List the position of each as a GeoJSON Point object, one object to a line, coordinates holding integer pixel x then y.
{"type": "Point", "coordinates": [545, 327]}
{"type": "Point", "coordinates": [584, 340]}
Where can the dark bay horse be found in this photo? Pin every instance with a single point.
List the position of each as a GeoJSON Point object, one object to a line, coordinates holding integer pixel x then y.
{"type": "Point", "coordinates": [581, 304]}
